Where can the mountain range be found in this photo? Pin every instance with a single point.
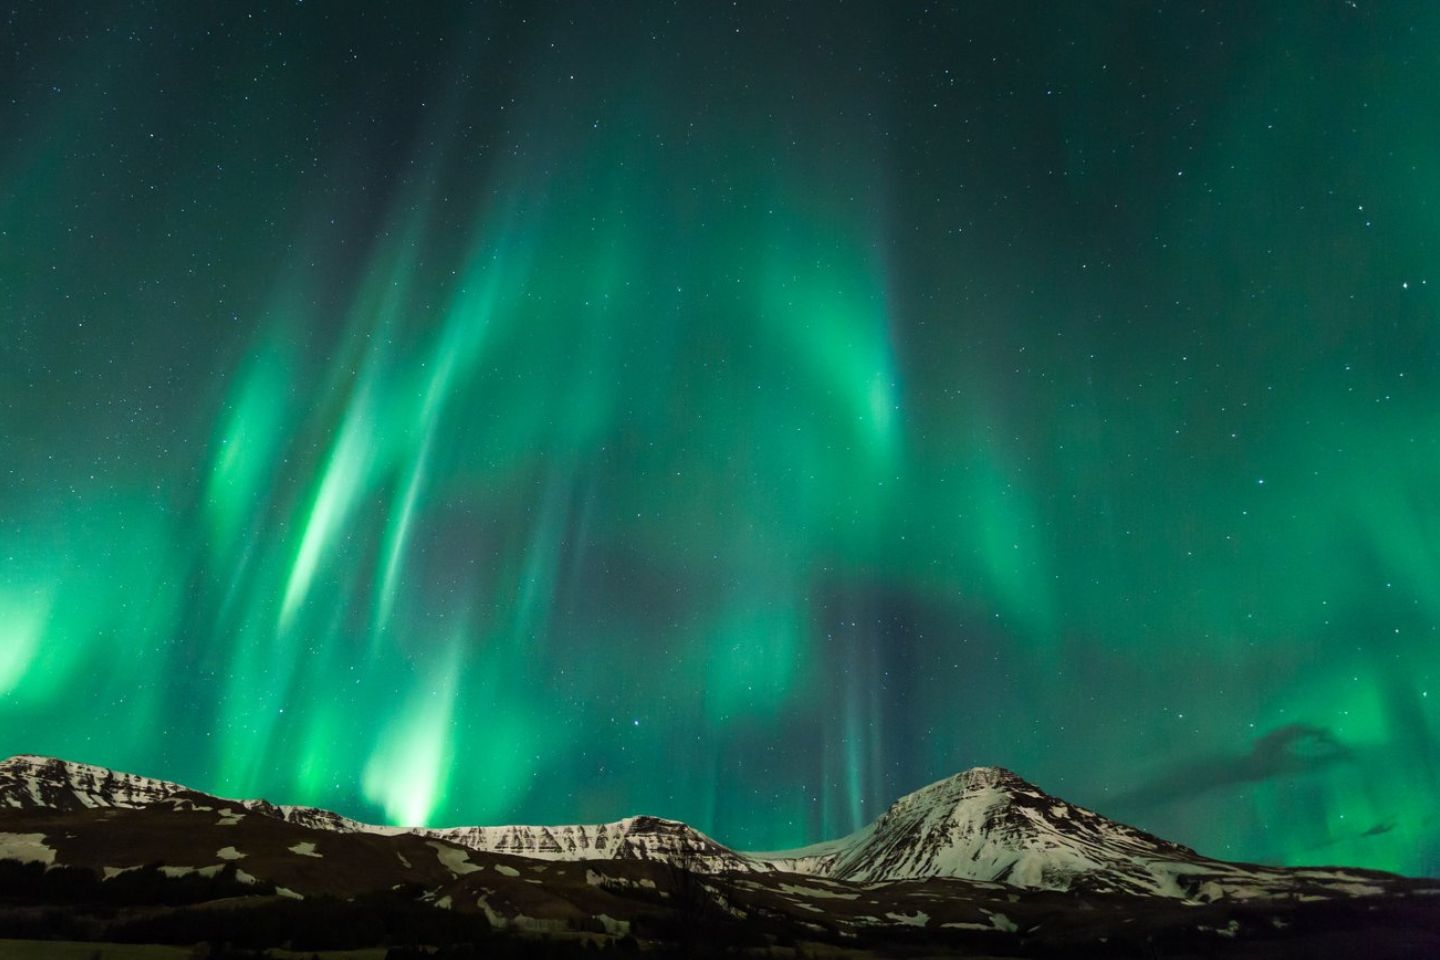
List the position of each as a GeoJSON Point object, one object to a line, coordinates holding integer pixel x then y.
{"type": "Point", "coordinates": [981, 854]}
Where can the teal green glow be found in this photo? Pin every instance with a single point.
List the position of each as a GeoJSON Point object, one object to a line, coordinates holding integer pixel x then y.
{"type": "Point", "coordinates": [341, 484]}
{"type": "Point", "coordinates": [249, 445]}
{"type": "Point", "coordinates": [24, 616]}
{"type": "Point", "coordinates": [407, 774]}
{"type": "Point", "coordinates": [788, 410]}
{"type": "Point", "coordinates": [754, 662]}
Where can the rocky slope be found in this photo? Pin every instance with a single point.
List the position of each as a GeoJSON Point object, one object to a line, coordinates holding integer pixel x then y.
{"type": "Point", "coordinates": [29, 782]}
{"type": "Point", "coordinates": [633, 838]}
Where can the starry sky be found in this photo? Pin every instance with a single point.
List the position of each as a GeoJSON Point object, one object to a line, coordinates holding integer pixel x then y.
{"type": "Point", "coordinates": [738, 412]}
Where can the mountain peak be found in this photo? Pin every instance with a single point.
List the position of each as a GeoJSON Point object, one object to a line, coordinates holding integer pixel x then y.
{"type": "Point", "coordinates": [966, 784]}
{"type": "Point", "coordinates": [980, 777]}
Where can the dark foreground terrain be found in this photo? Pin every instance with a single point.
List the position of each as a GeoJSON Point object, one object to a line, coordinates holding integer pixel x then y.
{"type": "Point", "coordinates": [113, 882]}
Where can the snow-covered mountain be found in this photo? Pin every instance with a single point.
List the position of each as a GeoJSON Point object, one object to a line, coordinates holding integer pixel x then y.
{"type": "Point", "coordinates": [32, 782]}
{"type": "Point", "coordinates": [989, 824]}
{"type": "Point", "coordinates": [985, 824]}
{"type": "Point", "coordinates": [633, 838]}
{"type": "Point", "coordinates": [29, 782]}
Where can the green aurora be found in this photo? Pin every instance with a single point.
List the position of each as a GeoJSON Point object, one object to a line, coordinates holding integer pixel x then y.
{"type": "Point", "coordinates": [737, 413]}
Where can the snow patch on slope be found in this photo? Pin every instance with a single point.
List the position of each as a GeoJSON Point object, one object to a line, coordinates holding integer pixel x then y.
{"type": "Point", "coordinates": [26, 847]}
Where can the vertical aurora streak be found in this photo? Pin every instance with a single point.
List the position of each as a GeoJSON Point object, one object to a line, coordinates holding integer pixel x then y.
{"type": "Point", "coordinates": [743, 415]}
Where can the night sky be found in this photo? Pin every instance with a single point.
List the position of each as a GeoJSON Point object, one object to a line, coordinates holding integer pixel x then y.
{"type": "Point", "coordinates": [737, 412]}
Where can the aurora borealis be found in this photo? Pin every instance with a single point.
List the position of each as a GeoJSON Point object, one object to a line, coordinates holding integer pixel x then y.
{"type": "Point", "coordinates": [741, 413]}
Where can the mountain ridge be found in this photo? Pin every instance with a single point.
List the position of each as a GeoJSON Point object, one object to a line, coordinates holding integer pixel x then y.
{"type": "Point", "coordinates": [984, 824]}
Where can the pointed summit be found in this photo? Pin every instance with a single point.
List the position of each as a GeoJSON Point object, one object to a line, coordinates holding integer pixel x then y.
{"type": "Point", "coordinates": [988, 823]}
{"type": "Point", "coordinates": [975, 778]}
